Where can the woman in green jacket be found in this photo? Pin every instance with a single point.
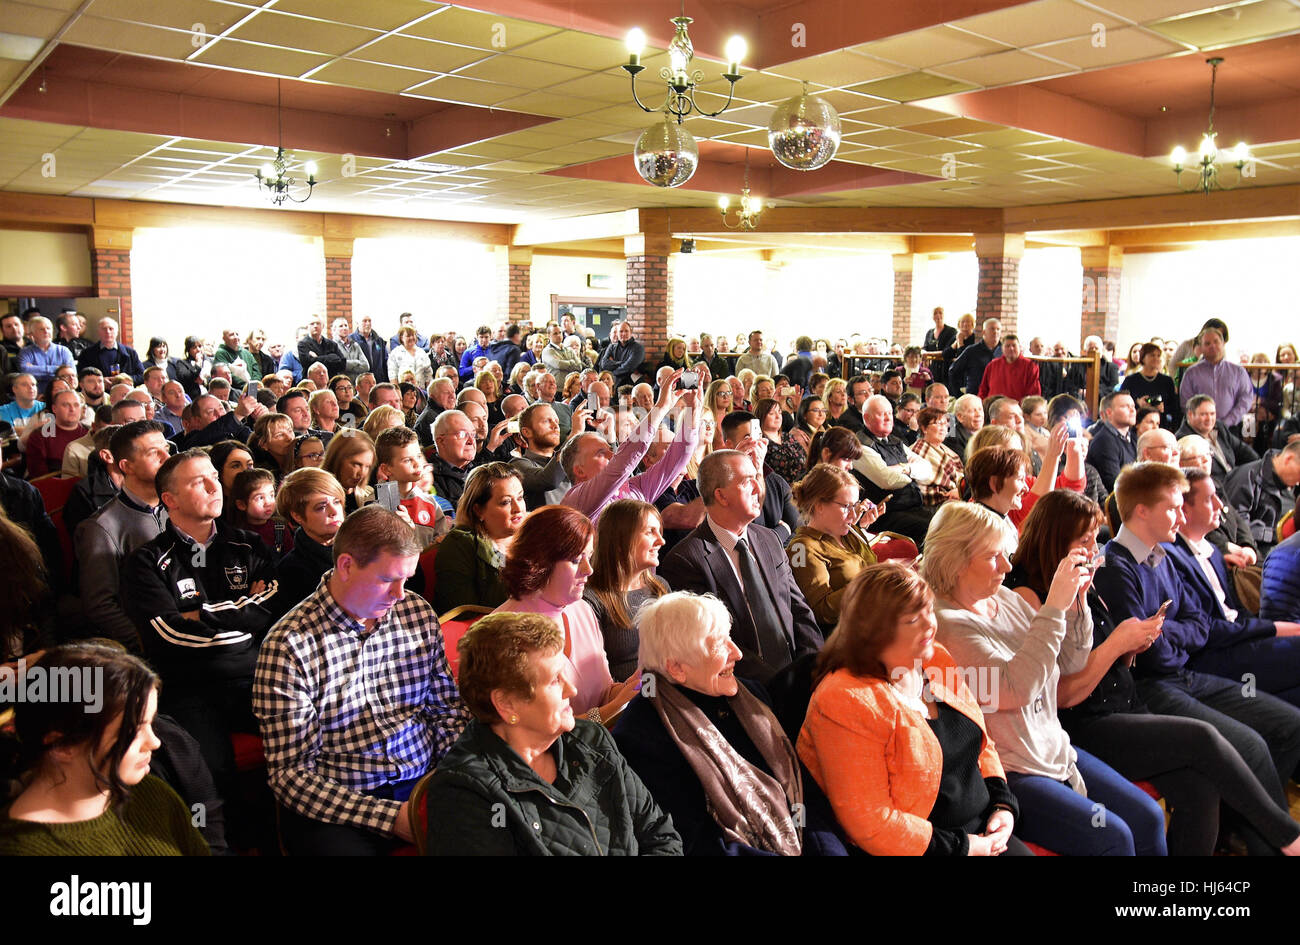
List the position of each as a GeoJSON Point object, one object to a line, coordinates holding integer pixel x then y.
{"type": "Point", "coordinates": [526, 778]}
{"type": "Point", "coordinates": [470, 558]}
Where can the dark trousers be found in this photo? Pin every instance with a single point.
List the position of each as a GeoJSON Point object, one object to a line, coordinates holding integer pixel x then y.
{"type": "Point", "coordinates": [303, 836]}
{"type": "Point", "coordinates": [1273, 662]}
{"type": "Point", "coordinates": [1193, 767]}
{"type": "Point", "coordinates": [1263, 729]}
{"type": "Point", "coordinates": [912, 522]}
{"type": "Point", "coordinates": [211, 712]}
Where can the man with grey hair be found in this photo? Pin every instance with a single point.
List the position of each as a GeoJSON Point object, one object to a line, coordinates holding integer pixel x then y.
{"type": "Point", "coordinates": [1157, 446]}
{"type": "Point", "coordinates": [968, 412]}
{"type": "Point", "coordinates": [558, 358]}
{"type": "Point", "coordinates": [967, 371]}
{"type": "Point", "coordinates": [111, 356]}
{"type": "Point", "coordinates": [442, 396]}
{"type": "Point", "coordinates": [744, 566]}
{"type": "Point", "coordinates": [41, 357]}
{"type": "Point", "coordinates": [355, 362]}
{"type": "Point", "coordinates": [623, 357]}
{"type": "Point", "coordinates": [643, 397]}
{"type": "Point", "coordinates": [885, 472]}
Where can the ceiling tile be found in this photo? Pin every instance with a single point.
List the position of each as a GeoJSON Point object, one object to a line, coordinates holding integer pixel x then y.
{"type": "Point", "coordinates": [543, 103]}
{"type": "Point", "coordinates": [1004, 68]}
{"type": "Point", "coordinates": [592, 53]}
{"type": "Point", "coordinates": [254, 58]}
{"type": "Point", "coordinates": [369, 75]}
{"type": "Point", "coordinates": [912, 87]}
{"type": "Point", "coordinates": [297, 32]}
{"type": "Point", "coordinates": [529, 73]}
{"type": "Point", "coordinates": [422, 54]}
{"type": "Point", "coordinates": [835, 70]}
{"type": "Point", "coordinates": [480, 30]}
{"type": "Point", "coordinates": [27, 20]}
{"type": "Point", "coordinates": [930, 47]}
{"type": "Point", "coordinates": [455, 89]}
{"type": "Point", "coordinates": [1237, 24]}
{"type": "Point", "coordinates": [1028, 24]}
{"type": "Point", "coordinates": [99, 33]}
{"type": "Point", "coordinates": [388, 15]}
{"type": "Point", "coordinates": [1121, 45]}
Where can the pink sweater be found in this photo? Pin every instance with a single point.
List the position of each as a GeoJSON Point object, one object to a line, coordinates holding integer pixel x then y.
{"type": "Point", "coordinates": [588, 668]}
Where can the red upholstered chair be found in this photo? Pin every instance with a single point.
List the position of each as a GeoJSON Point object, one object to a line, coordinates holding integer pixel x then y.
{"type": "Point", "coordinates": [455, 623]}
{"type": "Point", "coordinates": [430, 576]}
{"type": "Point", "coordinates": [419, 812]}
{"type": "Point", "coordinates": [1286, 527]}
{"type": "Point", "coordinates": [891, 546]}
{"type": "Point", "coordinates": [55, 489]}
{"type": "Point", "coordinates": [248, 751]}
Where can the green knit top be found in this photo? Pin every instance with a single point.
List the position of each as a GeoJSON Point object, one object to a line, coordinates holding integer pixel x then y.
{"type": "Point", "coordinates": [154, 821]}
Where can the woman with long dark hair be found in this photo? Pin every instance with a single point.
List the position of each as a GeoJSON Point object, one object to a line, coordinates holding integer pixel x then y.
{"type": "Point", "coordinates": [628, 539]}
{"type": "Point", "coordinates": [83, 764]}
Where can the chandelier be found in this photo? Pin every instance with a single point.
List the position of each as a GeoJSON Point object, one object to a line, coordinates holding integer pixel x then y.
{"type": "Point", "coordinates": [747, 211]}
{"type": "Point", "coordinates": [681, 79]}
{"type": "Point", "coordinates": [1209, 156]}
{"type": "Point", "coordinates": [274, 175]}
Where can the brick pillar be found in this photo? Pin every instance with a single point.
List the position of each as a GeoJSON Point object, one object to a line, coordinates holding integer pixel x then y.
{"type": "Point", "coordinates": [110, 267]}
{"type": "Point", "coordinates": [649, 290]}
{"type": "Point", "coordinates": [902, 325]}
{"type": "Point", "coordinates": [519, 283]}
{"type": "Point", "coordinates": [338, 279]}
{"type": "Point", "coordinates": [998, 291]}
{"type": "Point", "coordinates": [1103, 267]}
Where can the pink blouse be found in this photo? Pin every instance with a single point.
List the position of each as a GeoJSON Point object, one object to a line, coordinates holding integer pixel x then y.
{"type": "Point", "coordinates": [588, 668]}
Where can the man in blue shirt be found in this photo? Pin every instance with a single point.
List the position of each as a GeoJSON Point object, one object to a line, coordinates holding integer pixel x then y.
{"type": "Point", "coordinates": [480, 350]}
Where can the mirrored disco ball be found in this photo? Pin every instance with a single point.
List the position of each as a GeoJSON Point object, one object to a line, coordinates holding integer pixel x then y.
{"type": "Point", "coordinates": [804, 132]}
{"type": "Point", "coordinates": [666, 154]}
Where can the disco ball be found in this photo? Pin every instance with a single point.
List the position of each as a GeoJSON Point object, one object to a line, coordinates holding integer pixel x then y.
{"type": "Point", "coordinates": [804, 132]}
{"type": "Point", "coordinates": [666, 154]}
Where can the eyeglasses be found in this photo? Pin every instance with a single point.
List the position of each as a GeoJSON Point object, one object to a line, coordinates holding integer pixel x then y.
{"type": "Point", "coordinates": [306, 456]}
{"type": "Point", "coordinates": [459, 435]}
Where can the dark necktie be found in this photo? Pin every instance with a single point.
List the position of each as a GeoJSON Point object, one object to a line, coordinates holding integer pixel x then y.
{"type": "Point", "coordinates": [772, 646]}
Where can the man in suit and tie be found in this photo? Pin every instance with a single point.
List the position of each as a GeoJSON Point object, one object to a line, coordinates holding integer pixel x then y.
{"type": "Point", "coordinates": [745, 566]}
{"type": "Point", "coordinates": [1245, 644]}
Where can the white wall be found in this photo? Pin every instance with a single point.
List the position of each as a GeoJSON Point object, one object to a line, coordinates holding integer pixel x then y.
{"type": "Point", "coordinates": [445, 284]}
{"type": "Point", "coordinates": [948, 280]}
{"type": "Point", "coordinates": [36, 258]}
{"type": "Point", "coordinates": [1051, 296]}
{"type": "Point", "coordinates": [567, 276]}
{"type": "Point", "coordinates": [1253, 285]}
{"type": "Point", "coordinates": [197, 281]}
{"type": "Point", "coordinates": [825, 298]}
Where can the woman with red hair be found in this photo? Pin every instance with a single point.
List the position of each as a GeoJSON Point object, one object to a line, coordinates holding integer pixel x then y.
{"type": "Point", "coordinates": [546, 571]}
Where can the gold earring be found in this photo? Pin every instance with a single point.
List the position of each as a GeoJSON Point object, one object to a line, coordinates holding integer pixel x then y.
{"type": "Point", "coordinates": [514, 719]}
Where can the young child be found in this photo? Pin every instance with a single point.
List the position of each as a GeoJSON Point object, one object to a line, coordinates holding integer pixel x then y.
{"type": "Point", "coordinates": [254, 495]}
{"type": "Point", "coordinates": [400, 459]}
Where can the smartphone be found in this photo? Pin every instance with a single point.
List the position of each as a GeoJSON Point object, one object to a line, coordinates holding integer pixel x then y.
{"type": "Point", "coordinates": [512, 427]}
{"type": "Point", "coordinates": [593, 402]}
{"type": "Point", "coordinates": [881, 503]}
{"type": "Point", "coordinates": [252, 389]}
{"type": "Point", "coordinates": [755, 430]}
{"type": "Point", "coordinates": [387, 496]}
{"type": "Point", "coordinates": [689, 380]}
{"type": "Point", "coordinates": [1075, 427]}
{"type": "Point", "coordinates": [1163, 608]}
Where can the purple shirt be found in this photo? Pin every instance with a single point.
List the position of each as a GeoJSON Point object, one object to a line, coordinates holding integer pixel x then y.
{"type": "Point", "coordinates": [616, 481]}
{"type": "Point", "coordinates": [1227, 382]}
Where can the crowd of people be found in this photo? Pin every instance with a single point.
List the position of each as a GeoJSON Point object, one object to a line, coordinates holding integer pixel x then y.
{"type": "Point", "coordinates": [857, 598]}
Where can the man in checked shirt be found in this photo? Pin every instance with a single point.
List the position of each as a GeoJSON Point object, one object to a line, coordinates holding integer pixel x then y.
{"type": "Point", "coordinates": [354, 696]}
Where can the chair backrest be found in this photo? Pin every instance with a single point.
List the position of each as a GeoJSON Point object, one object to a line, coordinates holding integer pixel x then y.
{"type": "Point", "coordinates": [1286, 527]}
{"type": "Point", "coordinates": [455, 623]}
{"type": "Point", "coordinates": [418, 810]}
{"type": "Point", "coordinates": [430, 577]}
{"type": "Point", "coordinates": [1112, 513]}
{"type": "Point", "coordinates": [55, 489]}
{"type": "Point", "coordinates": [891, 546]}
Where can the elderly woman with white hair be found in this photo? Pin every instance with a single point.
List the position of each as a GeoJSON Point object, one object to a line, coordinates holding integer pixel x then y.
{"type": "Point", "coordinates": [1015, 657]}
{"type": "Point", "coordinates": [708, 746]}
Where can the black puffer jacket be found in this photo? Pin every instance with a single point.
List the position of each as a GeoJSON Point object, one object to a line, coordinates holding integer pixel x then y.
{"type": "Point", "coordinates": [485, 801]}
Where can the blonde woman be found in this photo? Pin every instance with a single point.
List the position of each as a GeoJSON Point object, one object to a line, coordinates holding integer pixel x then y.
{"type": "Point", "coordinates": [380, 419]}
{"type": "Point", "coordinates": [408, 356]}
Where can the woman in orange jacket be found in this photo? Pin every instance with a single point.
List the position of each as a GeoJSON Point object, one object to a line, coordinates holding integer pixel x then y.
{"type": "Point", "coordinates": [895, 738]}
